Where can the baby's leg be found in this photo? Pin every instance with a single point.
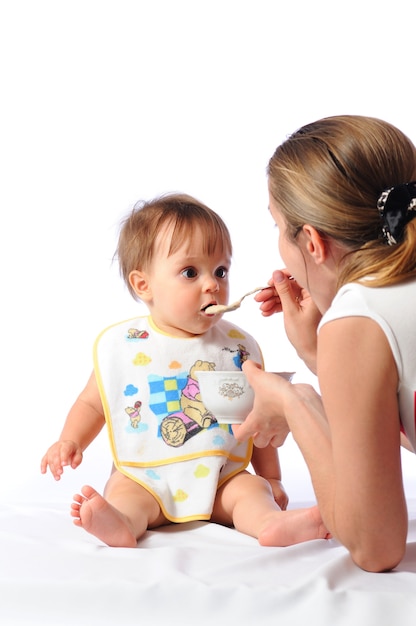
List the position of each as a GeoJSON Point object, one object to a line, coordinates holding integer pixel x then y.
{"type": "Point", "coordinates": [119, 518]}
{"type": "Point", "coordinates": [246, 501]}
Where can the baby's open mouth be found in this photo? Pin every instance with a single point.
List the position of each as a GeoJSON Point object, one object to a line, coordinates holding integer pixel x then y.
{"type": "Point", "coordinates": [206, 306]}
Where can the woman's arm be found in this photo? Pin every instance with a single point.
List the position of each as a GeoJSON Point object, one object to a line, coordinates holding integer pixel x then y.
{"type": "Point", "coordinates": [349, 437]}
{"type": "Point", "coordinates": [351, 443]}
{"type": "Point", "coordinates": [266, 423]}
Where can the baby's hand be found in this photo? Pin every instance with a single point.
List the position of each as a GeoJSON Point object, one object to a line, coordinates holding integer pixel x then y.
{"type": "Point", "coordinates": [279, 493]}
{"type": "Point", "coordinates": [59, 455]}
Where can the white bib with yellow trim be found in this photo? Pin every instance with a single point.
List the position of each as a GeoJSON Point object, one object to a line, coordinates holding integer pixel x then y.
{"type": "Point", "coordinates": [161, 434]}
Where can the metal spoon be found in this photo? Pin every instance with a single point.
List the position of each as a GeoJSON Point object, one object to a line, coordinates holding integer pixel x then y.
{"type": "Point", "coordinates": [222, 308]}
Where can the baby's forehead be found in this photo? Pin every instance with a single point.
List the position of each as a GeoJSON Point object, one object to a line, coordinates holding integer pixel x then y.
{"type": "Point", "coordinates": [190, 238]}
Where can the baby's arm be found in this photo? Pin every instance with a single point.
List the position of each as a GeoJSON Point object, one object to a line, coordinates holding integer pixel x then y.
{"type": "Point", "coordinates": [265, 462]}
{"type": "Point", "coordinates": [83, 423]}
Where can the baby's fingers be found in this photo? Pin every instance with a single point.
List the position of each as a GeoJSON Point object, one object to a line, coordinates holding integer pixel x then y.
{"type": "Point", "coordinates": [55, 466]}
{"type": "Point", "coordinates": [75, 459]}
{"type": "Point", "coordinates": [59, 456]}
{"type": "Point", "coordinates": [44, 464]}
{"type": "Point", "coordinates": [71, 455]}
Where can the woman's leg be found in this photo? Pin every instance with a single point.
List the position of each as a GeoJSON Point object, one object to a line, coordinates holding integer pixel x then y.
{"type": "Point", "coordinates": [121, 516]}
{"type": "Point", "coordinates": [246, 501]}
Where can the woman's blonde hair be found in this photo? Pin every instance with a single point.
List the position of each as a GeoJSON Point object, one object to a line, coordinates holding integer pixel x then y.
{"type": "Point", "coordinates": [136, 244]}
{"type": "Point", "coordinates": [330, 174]}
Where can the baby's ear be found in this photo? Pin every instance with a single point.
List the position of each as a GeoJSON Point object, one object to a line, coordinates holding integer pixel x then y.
{"type": "Point", "coordinates": [140, 285]}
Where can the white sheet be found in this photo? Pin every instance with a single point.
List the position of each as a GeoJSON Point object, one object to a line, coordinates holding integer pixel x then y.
{"type": "Point", "coordinates": [53, 573]}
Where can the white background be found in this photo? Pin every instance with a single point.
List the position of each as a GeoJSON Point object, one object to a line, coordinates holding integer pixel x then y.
{"type": "Point", "coordinates": [106, 102]}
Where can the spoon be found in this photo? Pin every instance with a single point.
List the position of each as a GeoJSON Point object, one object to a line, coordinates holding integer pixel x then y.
{"type": "Point", "coordinates": [222, 308]}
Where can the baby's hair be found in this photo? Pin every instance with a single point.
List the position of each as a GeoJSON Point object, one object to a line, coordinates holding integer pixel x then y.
{"type": "Point", "coordinates": [330, 174]}
{"type": "Point", "coordinates": [136, 244]}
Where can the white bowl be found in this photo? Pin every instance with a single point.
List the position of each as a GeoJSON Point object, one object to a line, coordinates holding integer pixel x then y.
{"type": "Point", "coordinates": [227, 395]}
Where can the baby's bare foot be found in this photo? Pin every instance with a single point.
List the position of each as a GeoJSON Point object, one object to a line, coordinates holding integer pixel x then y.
{"type": "Point", "coordinates": [286, 528]}
{"type": "Point", "coordinates": [95, 515]}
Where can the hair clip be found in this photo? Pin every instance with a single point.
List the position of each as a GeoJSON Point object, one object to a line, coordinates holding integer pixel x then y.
{"type": "Point", "coordinates": [397, 207]}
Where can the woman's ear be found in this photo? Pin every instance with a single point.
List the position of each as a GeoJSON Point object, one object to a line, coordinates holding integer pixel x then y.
{"type": "Point", "coordinates": [140, 284]}
{"type": "Point", "coordinates": [315, 244]}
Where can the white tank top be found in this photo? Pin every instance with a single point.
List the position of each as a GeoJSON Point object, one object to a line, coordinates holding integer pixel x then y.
{"type": "Point", "coordinates": [394, 309]}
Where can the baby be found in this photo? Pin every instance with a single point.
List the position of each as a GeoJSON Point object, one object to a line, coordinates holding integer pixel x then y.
{"type": "Point", "coordinates": [172, 461]}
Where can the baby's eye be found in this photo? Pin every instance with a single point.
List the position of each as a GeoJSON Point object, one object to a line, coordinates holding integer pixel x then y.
{"type": "Point", "coordinates": [189, 272]}
{"type": "Point", "coordinates": [221, 272]}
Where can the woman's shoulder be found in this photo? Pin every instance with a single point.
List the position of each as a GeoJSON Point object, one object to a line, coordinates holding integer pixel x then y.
{"type": "Point", "coordinates": [366, 292]}
{"type": "Point", "coordinates": [362, 299]}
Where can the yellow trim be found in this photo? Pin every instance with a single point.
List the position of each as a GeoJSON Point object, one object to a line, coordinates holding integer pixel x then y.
{"type": "Point", "coordinates": [190, 518]}
{"type": "Point", "coordinates": [243, 460]}
{"type": "Point", "coordinates": [186, 518]}
{"type": "Point", "coordinates": [100, 384]}
{"type": "Point", "coordinates": [190, 457]}
{"type": "Point", "coordinates": [163, 332]}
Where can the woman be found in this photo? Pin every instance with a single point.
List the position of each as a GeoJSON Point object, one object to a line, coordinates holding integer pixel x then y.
{"type": "Point", "coordinates": [343, 197]}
